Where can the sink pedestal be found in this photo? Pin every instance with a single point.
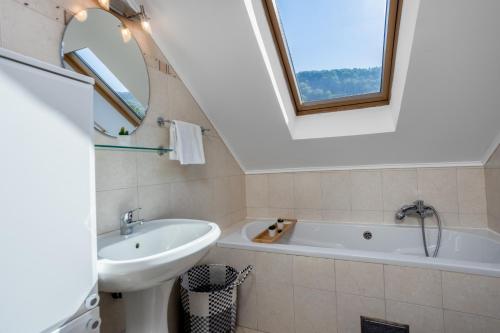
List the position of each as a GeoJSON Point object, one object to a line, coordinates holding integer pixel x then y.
{"type": "Point", "coordinates": [147, 310]}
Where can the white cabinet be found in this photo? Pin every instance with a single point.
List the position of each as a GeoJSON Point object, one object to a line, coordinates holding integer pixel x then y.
{"type": "Point", "coordinates": [47, 195]}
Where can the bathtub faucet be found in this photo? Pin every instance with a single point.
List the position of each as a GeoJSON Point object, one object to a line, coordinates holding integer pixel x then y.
{"type": "Point", "coordinates": [418, 207]}
{"type": "Point", "coordinates": [422, 210]}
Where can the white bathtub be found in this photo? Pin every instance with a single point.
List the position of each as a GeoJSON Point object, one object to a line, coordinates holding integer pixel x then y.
{"type": "Point", "coordinates": [473, 251]}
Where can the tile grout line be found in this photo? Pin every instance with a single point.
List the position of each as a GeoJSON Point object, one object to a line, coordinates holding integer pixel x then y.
{"type": "Point", "coordinates": [385, 298]}
{"type": "Point", "coordinates": [293, 292]}
{"type": "Point", "coordinates": [336, 294]}
{"type": "Point", "coordinates": [442, 299]}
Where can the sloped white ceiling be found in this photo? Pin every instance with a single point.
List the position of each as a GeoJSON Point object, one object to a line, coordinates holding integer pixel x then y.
{"type": "Point", "coordinates": [451, 103]}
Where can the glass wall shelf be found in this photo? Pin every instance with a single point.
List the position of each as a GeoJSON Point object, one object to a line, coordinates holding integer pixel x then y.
{"type": "Point", "coordinates": [160, 150]}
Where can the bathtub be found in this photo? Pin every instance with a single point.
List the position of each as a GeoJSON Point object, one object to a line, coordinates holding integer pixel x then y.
{"type": "Point", "coordinates": [474, 251]}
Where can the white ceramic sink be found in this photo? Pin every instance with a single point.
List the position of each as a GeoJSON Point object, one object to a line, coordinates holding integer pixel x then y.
{"type": "Point", "coordinates": [155, 252]}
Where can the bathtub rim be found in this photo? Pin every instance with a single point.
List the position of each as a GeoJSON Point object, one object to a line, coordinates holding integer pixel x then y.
{"type": "Point", "coordinates": [233, 238]}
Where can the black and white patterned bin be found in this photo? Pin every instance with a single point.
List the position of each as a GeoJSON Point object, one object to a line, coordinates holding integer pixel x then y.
{"type": "Point", "coordinates": [208, 296]}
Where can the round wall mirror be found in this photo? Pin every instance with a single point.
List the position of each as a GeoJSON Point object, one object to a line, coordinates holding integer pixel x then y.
{"type": "Point", "coordinates": [97, 44]}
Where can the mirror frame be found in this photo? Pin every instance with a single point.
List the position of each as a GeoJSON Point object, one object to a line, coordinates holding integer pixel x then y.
{"type": "Point", "coordinates": [96, 88]}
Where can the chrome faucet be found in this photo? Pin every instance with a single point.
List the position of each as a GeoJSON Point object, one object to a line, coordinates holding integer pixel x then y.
{"type": "Point", "coordinates": [127, 222]}
{"type": "Point", "coordinates": [422, 210]}
{"type": "Point", "coordinates": [417, 208]}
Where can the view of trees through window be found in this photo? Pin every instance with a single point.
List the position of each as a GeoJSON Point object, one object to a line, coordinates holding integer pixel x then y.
{"type": "Point", "coordinates": [337, 83]}
{"type": "Point", "coordinates": [335, 47]}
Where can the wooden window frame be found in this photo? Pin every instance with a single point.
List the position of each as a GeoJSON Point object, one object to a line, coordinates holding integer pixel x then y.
{"type": "Point", "coordinates": [344, 103]}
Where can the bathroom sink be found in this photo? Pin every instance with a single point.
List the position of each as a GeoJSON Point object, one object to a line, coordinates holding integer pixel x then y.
{"type": "Point", "coordinates": [157, 251]}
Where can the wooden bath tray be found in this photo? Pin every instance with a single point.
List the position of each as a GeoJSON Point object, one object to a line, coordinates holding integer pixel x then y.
{"type": "Point", "coordinates": [264, 237]}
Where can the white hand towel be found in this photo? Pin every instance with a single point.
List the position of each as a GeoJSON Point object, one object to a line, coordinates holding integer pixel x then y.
{"type": "Point", "coordinates": [187, 141]}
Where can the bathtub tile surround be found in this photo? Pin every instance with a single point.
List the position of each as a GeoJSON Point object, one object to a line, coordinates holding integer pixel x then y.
{"type": "Point", "coordinates": [351, 307]}
{"type": "Point", "coordinates": [472, 293]}
{"type": "Point", "coordinates": [365, 279]}
{"type": "Point", "coordinates": [313, 310]}
{"type": "Point", "coordinates": [429, 300]}
{"type": "Point", "coordinates": [311, 272]}
{"type": "Point", "coordinates": [492, 180]}
{"type": "Point", "coordinates": [459, 322]}
{"type": "Point", "coordinates": [422, 319]}
{"type": "Point", "coordinates": [413, 285]}
{"type": "Point", "coordinates": [370, 196]}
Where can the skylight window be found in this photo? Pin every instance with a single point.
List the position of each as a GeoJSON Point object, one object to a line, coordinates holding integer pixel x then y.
{"type": "Point", "coordinates": [337, 54]}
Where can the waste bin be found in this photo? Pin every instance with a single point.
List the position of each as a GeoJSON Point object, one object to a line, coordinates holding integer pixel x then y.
{"type": "Point", "coordinates": [209, 298]}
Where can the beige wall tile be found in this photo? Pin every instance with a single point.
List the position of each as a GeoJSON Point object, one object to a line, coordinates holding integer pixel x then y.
{"type": "Point", "coordinates": [413, 285]}
{"type": "Point", "coordinates": [399, 188]}
{"type": "Point", "coordinates": [366, 190]}
{"type": "Point", "coordinates": [471, 191]}
{"type": "Point", "coordinates": [110, 206]}
{"type": "Point", "coordinates": [48, 9]}
{"type": "Point", "coordinates": [336, 216]}
{"type": "Point", "coordinates": [459, 322]}
{"type": "Point", "coordinates": [154, 201]}
{"type": "Point", "coordinates": [222, 195]}
{"type": "Point", "coordinates": [274, 213]}
{"type": "Point", "coordinates": [492, 180]}
{"type": "Point", "coordinates": [438, 187]}
{"type": "Point", "coordinates": [158, 103]}
{"type": "Point", "coordinates": [275, 307]}
{"type": "Point", "coordinates": [367, 216]}
{"type": "Point", "coordinates": [238, 216]}
{"type": "Point", "coordinates": [448, 219]}
{"type": "Point", "coordinates": [256, 191]}
{"type": "Point", "coordinates": [474, 220]}
{"type": "Point", "coordinates": [315, 311]}
{"type": "Point", "coordinates": [318, 273]}
{"type": "Point", "coordinates": [115, 170]}
{"type": "Point", "coordinates": [26, 31]}
{"type": "Point", "coordinates": [247, 303]}
{"type": "Point", "coordinates": [202, 199]}
{"type": "Point", "coordinates": [181, 200]}
{"type": "Point", "coordinates": [273, 267]}
{"type": "Point", "coordinates": [472, 294]}
{"type": "Point", "coordinates": [351, 307]}
{"type": "Point", "coordinates": [365, 279]}
{"type": "Point", "coordinates": [257, 212]}
{"type": "Point", "coordinates": [280, 190]}
{"type": "Point", "coordinates": [307, 190]}
{"type": "Point", "coordinates": [308, 214]}
{"type": "Point", "coordinates": [492, 184]}
{"type": "Point", "coordinates": [237, 193]}
{"type": "Point", "coordinates": [336, 190]}
{"type": "Point", "coordinates": [153, 169]}
{"type": "Point", "coordinates": [422, 319]}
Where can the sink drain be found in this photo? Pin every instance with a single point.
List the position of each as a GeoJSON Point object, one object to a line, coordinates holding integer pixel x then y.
{"type": "Point", "coordinates": [367, 235]}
